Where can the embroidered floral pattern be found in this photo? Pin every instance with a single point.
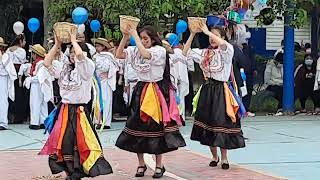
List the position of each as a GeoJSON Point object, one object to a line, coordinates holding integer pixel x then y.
{"type": "Point", "coordinates": [69, 78]}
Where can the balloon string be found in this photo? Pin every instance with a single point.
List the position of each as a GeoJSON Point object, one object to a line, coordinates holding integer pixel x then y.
{"type": "Point", "coordinates": [31, 45]}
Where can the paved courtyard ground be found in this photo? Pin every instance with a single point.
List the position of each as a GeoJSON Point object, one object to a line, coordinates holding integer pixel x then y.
{"type": "Point", "coordinates": [277, 148]}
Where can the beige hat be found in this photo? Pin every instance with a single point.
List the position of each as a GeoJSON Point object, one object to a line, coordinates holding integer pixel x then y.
{"type": "Point", "coordinates": [39, 50]}
{"type": "Point", "coordinates": [2, 42]}
{"type": "Point", "coordinates": [105, 42]}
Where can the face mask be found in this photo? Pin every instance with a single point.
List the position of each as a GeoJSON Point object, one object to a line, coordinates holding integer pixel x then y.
{"type": "Point", "coordinates": [308, 62]}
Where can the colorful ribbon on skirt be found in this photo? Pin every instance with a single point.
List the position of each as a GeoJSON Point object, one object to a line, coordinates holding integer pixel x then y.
{"type": "Point", "coordinates": [154, 106]}
{"type": "Point", "coordinates": [87, 143]}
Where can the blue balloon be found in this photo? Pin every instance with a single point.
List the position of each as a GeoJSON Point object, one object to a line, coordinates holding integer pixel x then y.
{"type": "Point", "coordinates": [80, 15]}
{"type": "Point", "coordinates": [173, 40]}
{"type": "Point", "coordinates": [33, 24]}
{"type": "Point", "coordinates": [132, 41]}
{"type": "Point", "coordinates": [95, 25]}
{"type": "Point", "coordinates": [181, 27]}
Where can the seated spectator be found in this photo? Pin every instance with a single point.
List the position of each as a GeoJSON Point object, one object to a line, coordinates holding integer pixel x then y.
{"type": "Point", "coordinates": [273, 78]}
{"type": "Point", "coordinates": [304, 83]}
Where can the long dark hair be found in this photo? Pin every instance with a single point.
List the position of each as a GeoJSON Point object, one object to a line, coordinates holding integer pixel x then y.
{"type": "Point", "coordinates": [157, 41]}
{"type": "Point", "coordinates": [17, 40]}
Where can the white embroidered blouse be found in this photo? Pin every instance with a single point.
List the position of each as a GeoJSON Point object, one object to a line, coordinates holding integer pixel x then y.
{"type": "Point", "coordinates": [74, 83]}
{"type": "Point", "coordinates": [219, 64]}
{"type": "Point", "coordinates": [148, 70]}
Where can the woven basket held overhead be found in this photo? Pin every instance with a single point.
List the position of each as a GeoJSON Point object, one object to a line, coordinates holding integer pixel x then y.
{"type": "Point", "coordinates": [128, 20]}
{"type": "Point", "coordinates": [195, 23]}
{"type": "Point", "coordinates": [62, 30]}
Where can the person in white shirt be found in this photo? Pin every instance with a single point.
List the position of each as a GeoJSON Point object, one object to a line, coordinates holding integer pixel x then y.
{"type": "Point", "coordinates": [106, 71]}
{"type": "Point", "coordinates": [19, 109]}
{"type": "Point", "coordinates": [130, 81]}
{"type": "Point", "coordinates": [216, 123]}
{"type": "Point", "coordinates": [179, 74]}
{"type": "Point", "coordinates": [8, 75]}
{"type": "Point", "coordinates": [38, 102]}
{"type": "Point", "coordinates": [73, 145]}
{"type": "Point", "coordinates": [152, 126]}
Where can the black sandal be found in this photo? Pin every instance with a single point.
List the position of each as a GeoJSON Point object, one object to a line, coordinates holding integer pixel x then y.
{"type": "Point", "coordinates": [225, 166]}
{"type": "Point", "coordinates": [214, 163]}
{"type": "Point", "coordinates": [141, 173]}
{"type": "Point", "coordinates": [158, 175]}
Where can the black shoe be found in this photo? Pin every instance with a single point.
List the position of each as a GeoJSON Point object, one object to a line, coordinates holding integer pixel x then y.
{"type": "Point", "coordinates": [141, 173]}
{"type": "Point", "coordinates": [98, 126]}
{"type": "Point", "coordinates": [214, 163]}
{"type": "Point", "coordinates": [2, 128]}
{"type": "Point", "coordinates": [42, 126]}
{"type": "Point", "coordinates": [225, 166]}
{"type": "Point", "coordinates": [34, 127]}
{"type": "Point", "coordinates": [158, 175]}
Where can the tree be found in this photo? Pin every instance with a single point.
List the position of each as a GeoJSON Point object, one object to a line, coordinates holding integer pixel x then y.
{"type": "Point", "coordinates": [149, 11]}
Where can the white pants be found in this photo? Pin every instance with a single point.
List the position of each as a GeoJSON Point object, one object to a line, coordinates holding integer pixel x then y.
{"type": "Point", "coordinates": [38, 107]}
{"type": "Point", "coordinates": [182, 104]}
{"type": "Point", "coordinates": [4, 104]}
{"type": "Point", "coordinates": [107, 95]}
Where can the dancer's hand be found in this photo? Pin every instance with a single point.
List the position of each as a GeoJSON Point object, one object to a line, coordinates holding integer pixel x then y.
{"type": "Point", "coordinates": [73, 35]}
{"type": "Point", "coordinates": [205, 29]}
{"type": "Point", "coordinates": [133, 32]}
{"type": "Point", "coordinates": [57, 42]}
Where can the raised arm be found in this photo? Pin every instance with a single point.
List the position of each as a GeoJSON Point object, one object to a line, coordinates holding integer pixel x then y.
{"type": "Point", "coordinates": [52, 53]}
{"type": "Point", "coordinates": [77, 49]}
{"type": "Point", "coordinates": [187, 46]}
{"type": "Point", "coordinates": [119, 53]}
{"type": "Point", "coordinates": [221, 42]}
{"type": "Point", "coordinates": [145, 54]}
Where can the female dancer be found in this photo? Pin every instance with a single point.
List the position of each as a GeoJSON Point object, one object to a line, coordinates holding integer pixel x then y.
{"type": "Point", "coordinates": [150, 128]}
{"type": "Point", "coordinates": [73, 145]}
{"type": "Point", "coordinates": [216, 125]}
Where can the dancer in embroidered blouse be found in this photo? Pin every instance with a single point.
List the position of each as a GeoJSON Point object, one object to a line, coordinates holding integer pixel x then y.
{"type": "Point", "coordinates": [152, 125]}
{"type": "Point", "coordinates": [216, 121]}
{"type": "Point", "coordinates": [38, 102]}
{"type": "Point", "coordinates": [106, 71]}
{"type": "Point", "coordinates": [8, 75]}
{"type": "Point", "coordinates": [73, 145]}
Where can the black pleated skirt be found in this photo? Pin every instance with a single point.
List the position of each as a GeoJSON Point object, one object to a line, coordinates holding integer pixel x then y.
{"type": "Point", "coordinates": [212, 126]}
{"type": "Point", "coordinates": [150, 137]}
{"type": "Point", "coordinates": [72, 151]}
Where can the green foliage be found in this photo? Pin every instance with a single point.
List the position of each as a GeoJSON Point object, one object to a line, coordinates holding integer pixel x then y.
{"type": "Point", "coordinates": [149, 11]}
{"type": "Point", "coordinates": [9, 14]}
{"type": "Point", "coordinates": [292, 8]}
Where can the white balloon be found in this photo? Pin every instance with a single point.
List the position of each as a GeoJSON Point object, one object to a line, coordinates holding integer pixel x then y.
{"type": "Point", "coordinates": [81, 28]}
{"type": "Point", "coordinates": [18, 27]}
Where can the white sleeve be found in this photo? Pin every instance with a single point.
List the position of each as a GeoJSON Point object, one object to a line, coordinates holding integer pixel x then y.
{"type": "Point", "coordinates": [227, 54]}
{"type": "Point", "coordinates": [45, 79]}
{"type": "Point", "coordinates": [158, 55]}
{"type": "Point", "coordinates": [85, 68]}
{"type": "Point", "coordinates": [177, 56]}
{"type": "Point", "coordinates": [130, 53]}
{"type": "Point", "coordinates": [21, 55]}
{"type": "Point", "coordinates": [195, 55]}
